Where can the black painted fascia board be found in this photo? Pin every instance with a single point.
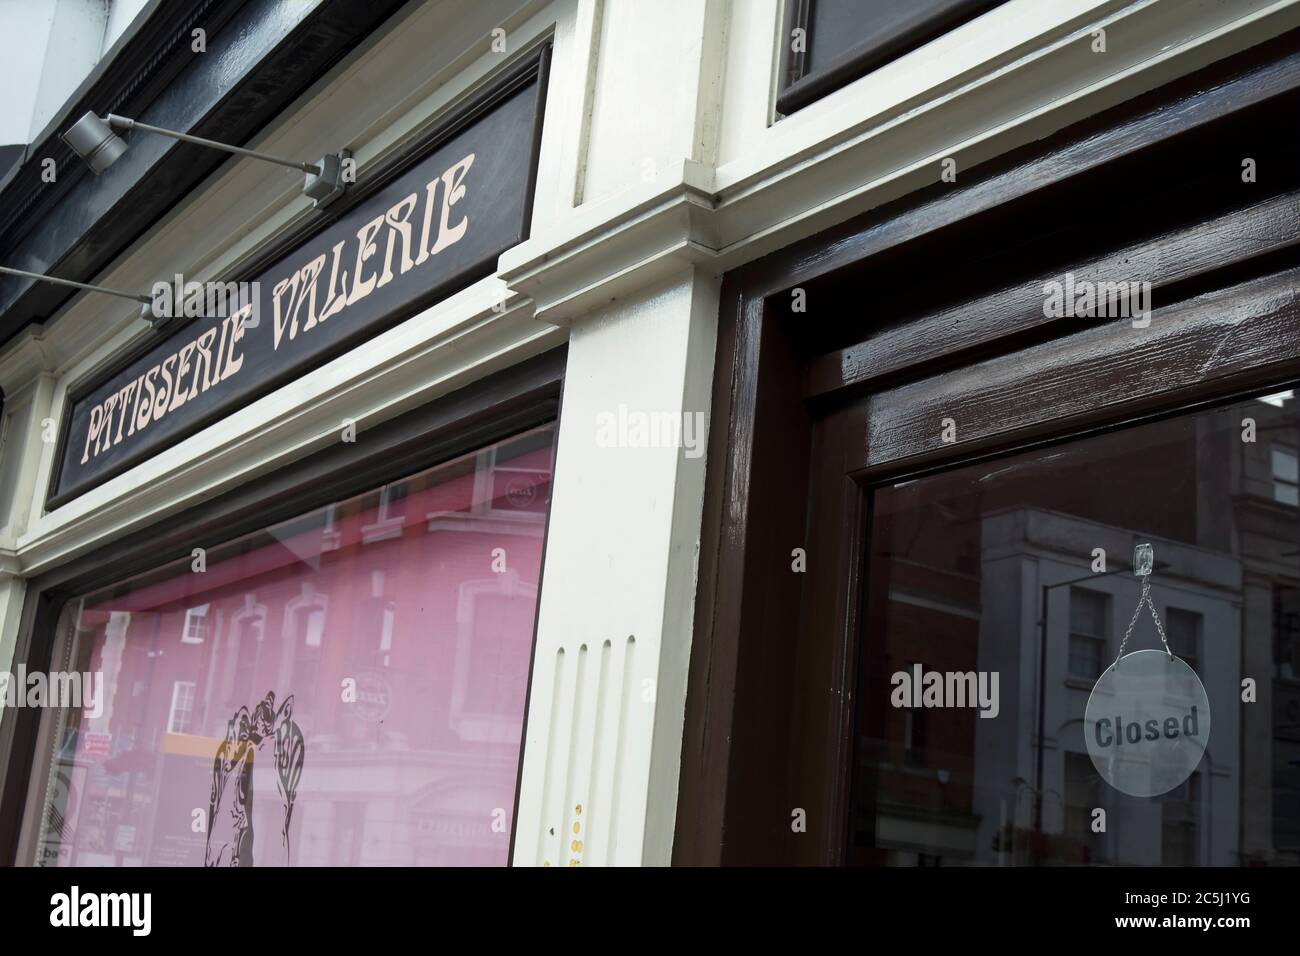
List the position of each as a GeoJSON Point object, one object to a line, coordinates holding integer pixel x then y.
{"type": "Point", "coordinates": [265, 54]}
{"type": "Point", "coordinates": [141, 62]}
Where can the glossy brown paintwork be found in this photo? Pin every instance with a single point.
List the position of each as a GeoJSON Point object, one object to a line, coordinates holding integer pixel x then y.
{"type": "Point", "coordinates": [932, 308]}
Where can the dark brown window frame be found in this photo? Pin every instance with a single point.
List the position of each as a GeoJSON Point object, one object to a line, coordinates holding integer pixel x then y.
{"type": "Point", "coordinates": [800, 86]}
{"type": "Point", "coordinates": [505, 403]}
{"type": "Point", "coordinates": [769, 710]}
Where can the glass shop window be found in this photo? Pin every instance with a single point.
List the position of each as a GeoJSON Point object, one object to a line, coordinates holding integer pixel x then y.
{"type": "Point", "coordinates": [1286, 632]}
{"type": "Point", "coordinates": [1183, 628]}
{"type": "Point", "coordinates": [1018, 787]}
{"type": "Point", "coordinates": [1180, 824]}
{"type": "Point", "coordinates": [348, 686]}
{"type": "Point", "coordinates": [196, 625]}
{"type": "Point", "coordinates": [833, 42]}
{"type": "Point", "coordinates": [914, 734]}
{"type": "Point", "coordinates": [1286, 476]}
{"type": "Point", "coordinates": [1089, 633]}
{"type": "Point", "coordinates": [1184, 631]}
{"type": "Point", "coordinates": [1083, 795]}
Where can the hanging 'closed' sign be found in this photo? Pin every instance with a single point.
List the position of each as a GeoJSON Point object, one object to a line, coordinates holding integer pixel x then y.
{"type": "Point", "coordinates": [1147, 723]}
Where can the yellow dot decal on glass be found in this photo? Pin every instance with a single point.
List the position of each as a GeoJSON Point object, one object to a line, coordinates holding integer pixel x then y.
{"type": "Point", "coordinates": [576, 827]}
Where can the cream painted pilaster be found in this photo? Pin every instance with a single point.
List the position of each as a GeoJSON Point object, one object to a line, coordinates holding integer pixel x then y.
{"type": "Point", "coordinates": [603, 745]}
{"type": "Point", "coordinates": [604, 735]}
{"type": "Point", "coordinates": [26, 427]}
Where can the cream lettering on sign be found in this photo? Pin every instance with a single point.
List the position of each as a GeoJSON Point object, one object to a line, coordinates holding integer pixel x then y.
{"type": "Point", "coordinates": [204, 344]}
{"type": "Point", "coordinates": [430, 190]}
{"type": "Point", "coordinates": [235, 362]}
{"type": "Point", "coordinates": [135, 409]}
{"type": "Point", "coordinates": [387, 246]}
{"type": "Point", "coordinates": [365, 249]}
{"type": "Point", "coordinates": [336, 299]}
{"type": "Point", "coordinates": [301, 287]}
{"type": "Point", "coordinates": [105, 439]}
{"type": "Point", "coordinates": [452, 192]}
{"type": "Point", "coordinates": [308, 275]}
{"type": "Point", "coordinates": [164, 393]}
{"type": "Point", "coordinates": [280, 312]}
{"type": "Point", "coordinates": [165, 387]}
{"type": "Point", "coordinates": [92, 432]}
{"type": "Point", "coordinates": [399, 225]}
{"type": "Point", "coordinates": [146, 409]}
{"type": "Point", "coordinates": [219, 353]}
{"type": "Point", "coordinates": [182, 394]}
{"type": "Point", "coordinates": [125, 396]}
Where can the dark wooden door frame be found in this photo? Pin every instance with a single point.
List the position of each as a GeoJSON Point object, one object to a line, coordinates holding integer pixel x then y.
{"type": "Point", "coordinates": [504, 404]}
{"type": "Point", "coordinates": [799, 435]}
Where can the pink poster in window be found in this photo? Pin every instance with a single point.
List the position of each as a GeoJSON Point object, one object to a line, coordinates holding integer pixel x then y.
{"type": "Point", "coordinates": [345, 689]}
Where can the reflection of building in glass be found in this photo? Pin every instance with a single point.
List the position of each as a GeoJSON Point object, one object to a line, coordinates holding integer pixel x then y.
{"type": "Point", "coordinates": [1033, 570]}
{"type": "Point", "coordinates": [925, 763]}
{"type": "Point", "coordinates": [989, 567]}
{"type": "Point", "coordinates": [1265, 515]}
{"type": "Point", "coordinates": [400, 622]}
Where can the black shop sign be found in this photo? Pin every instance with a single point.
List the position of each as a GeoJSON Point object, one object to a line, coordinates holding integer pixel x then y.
{"type": "Point", "coordinates": [412, 236]}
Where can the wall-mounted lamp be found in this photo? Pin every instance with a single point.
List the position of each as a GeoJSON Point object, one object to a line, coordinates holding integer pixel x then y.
{"type": "Point", "coordinates": [92, 138]}
{"type": "Point", "coordinates": [146, 307]}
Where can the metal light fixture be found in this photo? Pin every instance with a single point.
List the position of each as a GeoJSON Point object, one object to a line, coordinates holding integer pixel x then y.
{"type": "Point", "coordinates": [95, 142]}
{"type": "Point", "coordinates": [92, 138]}
{"type": "Point", "coordinates": [146, 302]}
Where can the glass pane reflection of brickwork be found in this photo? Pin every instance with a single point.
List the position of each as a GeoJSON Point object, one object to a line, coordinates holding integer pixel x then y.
{"type": "Point", "coordinates": [989, 568]}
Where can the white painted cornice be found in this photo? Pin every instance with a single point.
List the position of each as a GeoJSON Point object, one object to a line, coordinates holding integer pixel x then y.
{"type": "Point", "coordinates": [1026, 72]}
{"type": "Point", "coordinates": [24, 359]}
{"type": "Point", "coordinates": [623, 243]}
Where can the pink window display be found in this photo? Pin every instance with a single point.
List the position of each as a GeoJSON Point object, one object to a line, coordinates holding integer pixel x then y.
{"type": "Point", "coordinates": [344, 689]}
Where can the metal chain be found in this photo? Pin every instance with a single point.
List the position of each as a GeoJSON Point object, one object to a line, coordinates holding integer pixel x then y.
{"type": "Point", "coordinates": [1137, 611]}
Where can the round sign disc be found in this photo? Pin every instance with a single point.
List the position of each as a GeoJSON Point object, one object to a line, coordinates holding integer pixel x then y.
{"type": "Point", "coordinates": [1147, 723]}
